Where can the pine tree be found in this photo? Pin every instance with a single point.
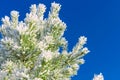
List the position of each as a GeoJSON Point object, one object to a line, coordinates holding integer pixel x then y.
{"type": "Point", "coordinates": [30, 49]}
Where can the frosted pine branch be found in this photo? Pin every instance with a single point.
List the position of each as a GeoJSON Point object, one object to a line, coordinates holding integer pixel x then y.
{"type": "Point", "coordinates": [30, 49]}
{"type": "Point", "coordinates": [98, 77]}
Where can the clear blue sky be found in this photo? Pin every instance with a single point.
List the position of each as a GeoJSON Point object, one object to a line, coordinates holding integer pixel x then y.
{"type": "Point", "coordinates": [99, 20]}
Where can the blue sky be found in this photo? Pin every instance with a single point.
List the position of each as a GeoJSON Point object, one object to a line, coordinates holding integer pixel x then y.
{"type": "Point", "coordinates": [98, 20]}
